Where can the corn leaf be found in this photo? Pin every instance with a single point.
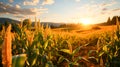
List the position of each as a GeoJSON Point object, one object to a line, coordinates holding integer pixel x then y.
{"type": "Point", "coordinates": [66, 51]}
{"type": "Point", "coordinates": [76, 50]}
{"type": "Point", "coordinates": [19, 60]}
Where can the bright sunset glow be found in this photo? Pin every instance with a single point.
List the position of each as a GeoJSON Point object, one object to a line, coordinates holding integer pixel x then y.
{"type": "Point", "coordinates": [86, 21]}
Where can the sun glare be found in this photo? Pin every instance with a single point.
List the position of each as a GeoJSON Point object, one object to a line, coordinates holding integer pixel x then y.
{"type": "Point", "coordinates": [86, 21]}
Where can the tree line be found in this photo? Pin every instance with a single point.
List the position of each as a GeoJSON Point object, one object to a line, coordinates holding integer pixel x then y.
{"type": "Point", "coordinates": [113, 20]}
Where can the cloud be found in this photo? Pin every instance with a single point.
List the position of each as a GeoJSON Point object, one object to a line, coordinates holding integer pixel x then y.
{"type": "Point", "coordinates": [104, 9]}
{"type": "Point", "coordinates": [19, 16]}
{"type": "Point", "coordinates": [16, 10]}
{"type": "Point", "coordinates": [13, 10]}
{"type": "Point", "coordinates": [32, 2]}
{"type": "Point", "coordinates": [17, 6]}
{"type": "Point", "coordinates": [117, 9]}
{"type": "Point", "coordinates": [77, 0]}
{"type": "Point", "coordinates": [11, 1]}
{"type": "Point", "coordinates": [48, 2]}
{"type": "Point", "coordinates": [108, 4]}
{"type": "Point", "coordinates": [39, 10]}
{"type": "Point", "coordinates": [99, 11]}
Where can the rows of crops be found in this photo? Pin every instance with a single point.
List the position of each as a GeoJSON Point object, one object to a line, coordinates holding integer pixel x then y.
{"type": "Point", "coordinates": [38, 46]}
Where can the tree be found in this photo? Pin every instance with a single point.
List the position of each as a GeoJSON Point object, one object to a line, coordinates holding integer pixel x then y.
{"type": "Point", "coordinates": [27, 22]}
{"type": "Point", "coordinates": [113, 21]}
{"type": "Point", "coordinates": [1, 25]}
{"type": "Point", "coordinates": [108, 21]}
{"type": "Point", "coordinates": [119, 18]}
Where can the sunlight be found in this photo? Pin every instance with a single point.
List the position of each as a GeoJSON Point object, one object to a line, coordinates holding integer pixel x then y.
{"type": "Point", "coordinates": [86, 21]}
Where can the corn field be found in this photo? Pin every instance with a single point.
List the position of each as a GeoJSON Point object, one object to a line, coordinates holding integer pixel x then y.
{"type": "Point", "coordinates": [38, 46]}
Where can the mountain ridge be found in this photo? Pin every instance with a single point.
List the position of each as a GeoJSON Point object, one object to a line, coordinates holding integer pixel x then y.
{"type": "Point", "coordinates": [9, 20]}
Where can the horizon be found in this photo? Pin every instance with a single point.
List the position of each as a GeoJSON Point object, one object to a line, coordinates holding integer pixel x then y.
{"type": "Point", "coordinates": [75, 11]}
{"type": "Point", "coordinates": [45, 21]}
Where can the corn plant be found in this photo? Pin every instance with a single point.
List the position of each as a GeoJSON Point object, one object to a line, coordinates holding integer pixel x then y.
{"type": "Point", "coordinates": [68, 55]}
{"type": "Point", "coordinates": [109, 49]}
{"type": "Point", "coordinates": [19, 43]}
{"type": "Point", "coordinates": [38, 46]}
{"type": "Point", "coordinates": [40, 51]}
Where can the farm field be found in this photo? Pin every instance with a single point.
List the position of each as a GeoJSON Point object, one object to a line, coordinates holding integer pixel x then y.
{"type": "Point", "coordinates": [59, 33]}
{"type": "Point", "coordinates": [88, 31]}
{"type": "Point", "coordinates": [46, 47]}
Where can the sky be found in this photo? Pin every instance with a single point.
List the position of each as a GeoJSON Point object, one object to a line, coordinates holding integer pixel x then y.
{"type": "Point", "coordinates": [67, 11]}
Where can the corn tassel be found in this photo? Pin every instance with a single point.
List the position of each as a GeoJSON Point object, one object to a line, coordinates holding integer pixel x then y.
{"type": "Point", "coordinates": [6, 49]}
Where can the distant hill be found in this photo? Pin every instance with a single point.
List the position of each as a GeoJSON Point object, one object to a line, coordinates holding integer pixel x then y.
{"type": "Point", "coordinates": [3, 20]}
{"type": "Point", "coordinates": [9, 20]}
{"type": "Point", "coordinates": [52, 24]}
{"type": "Point", "coordinates": [102, 24]}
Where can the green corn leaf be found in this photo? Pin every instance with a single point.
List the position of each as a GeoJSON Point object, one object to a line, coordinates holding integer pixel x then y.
{"type": "Point", "coordinates": [78, 58]}
{"type": "Point", "coordinates": [76, 50]}
{"type": "Point", "coordinates": [67, 60]}
{"type": "Point", "coordinates": [105, 48]}
{"type": "Point", "coordinates": [45, 44]}
{"type": "Point", "coordinates": [70, 65]}
{"type": "Point", "coordinates": [85, 59]}
{"type": "Point", "coordinates": [60, 59]}
{"type": "Point", "coordinates": [93, 59]}
{"type": "Point", "coordinates": [66, 51]}
{"type": "Point", "coordinates": [34, 57]}
{"type": "Point", "coordinates": [89, 53]}
{"type": "Point", "coordinates": [101, 53]}
{"type": "Point", "coordinates": [14, 61]}
{"type": "Point", "coordinates": [44, 59]}
{"type": "Point", "coordinates": [19, 60]}
{"type": "Point", "coordinates": [49, 64]}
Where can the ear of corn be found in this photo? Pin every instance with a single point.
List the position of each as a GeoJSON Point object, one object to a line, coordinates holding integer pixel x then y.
{"type": "Point", "coordinates": [18, 60]}
{"type": "Point", "coordinates": [6, 48]}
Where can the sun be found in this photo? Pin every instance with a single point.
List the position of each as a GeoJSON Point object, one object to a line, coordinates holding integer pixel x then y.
{"type": "Point", "coordinates": [86, 21]}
